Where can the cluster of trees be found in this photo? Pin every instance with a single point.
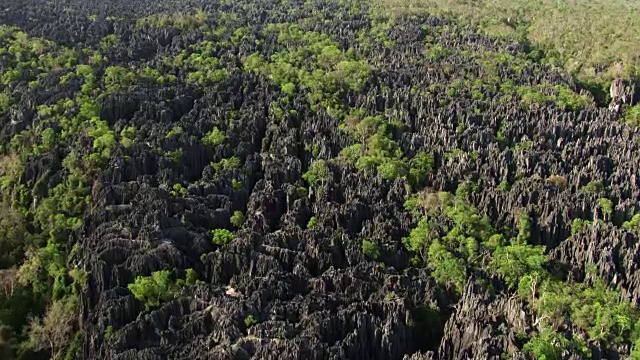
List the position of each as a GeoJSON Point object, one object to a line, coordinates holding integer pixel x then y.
{"type": "Point", "coordinates": [160, 286]}
{"type": "Point", "coordinates": [314, 63]}
{"type": "Point", "coordinates": [453, 240]}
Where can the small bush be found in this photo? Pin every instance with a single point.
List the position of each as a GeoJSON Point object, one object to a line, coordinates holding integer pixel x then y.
{"type": "Point", "coordinates": [578, 224]}
{"type": "Point", "coordinates": [606, 205]}
{"type": "Point", "coordinates": [634, 223]}
{"type": "Point", "coordinates": [593, 187]}
{"type": "Point", "coordinates": [191, 277]}
{"type": "Point", "coordinates": [237, 219]}
{"type": "Point", "coordinates": [250, 320]}
{"type": "Point", "coordinates": [175, 131]}
{"type": "Point", "coordinates": [214, 137]}
{"type": "Point", "coordinates": [504, 186]}
{"type": "Point", "coordinates": [154, 289]}
{"type": "Point", "coordinates": [318, 171]}
{"type": "Point", "coordinates": [236, 185]}
{"type": "Point", "coordinates": [370, 249]}
{"type": "Point", "coordinates": [221, 237]}
{"type": "Point", "coordinates": [312, 222]}
{"type": "Point", "coordinates": [108, 332]}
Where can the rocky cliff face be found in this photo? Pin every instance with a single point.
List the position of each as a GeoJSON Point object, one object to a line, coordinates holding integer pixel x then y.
{"type": "Point", "coordinates": [310, 290]}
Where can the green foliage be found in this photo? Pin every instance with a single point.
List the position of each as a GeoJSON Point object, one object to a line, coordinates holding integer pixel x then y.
{"type": "Point", "coordinates": [5, 101]}
{"type": "Point", "coordinates": [214, 137]}
{"type": "Point", "coordinates": [236, 185]}
{"type": "Point", "coordinates": [419, 167]}
{"type": "Point", "coordinates": [127, 136]}
{"type": "Point", "coordinates": [634, 223]}
{"type": "Point", "coordinates": [175, 131]}
{"type": "Point", "coordinates": [117, 78]}
{"type": "Point", "coordinates": [419, 238]}
{"type": "Point", "coordinates": [221, 237]}
{"type": "Point", "coordinates": [175, 155]}
{"type": "Point", "coordinates": [543, 346]}
{"type": "Point", "coordinates": [237, 219]}
{"type": "Point", "coordinates": [524, 145]}
{"type": "Point", "coordinates": [155, 289]}
{"type": "Point", "coordinates": [371, 249]}
{"type": "Point", "coordinates": [225, 166]}
{"type": "Point", "coordinates": [606, 205]}
{"type": "Point", "coordinates": [551, 27]}
{"type": "Point", "coordinates": [108, 333]}
{"type": "Point", "coordinates": [447, 268]}
{"type": "Point", "coordinates": [504, 186]}
{"type": "Point", "coordinates": [578, 224]}
{"type": "Point", "coordinates": [524, 229]}
{"type": "Point", "coordinates": [631, 115]}
{"type": "Point", "coordinates": [313, 221]}
{"type": "Point", "coordinates": [379, 151]}
{"type": "Point", "coordinates": [514, 261]}
{"type": "Point", "coordinates": [313, 63]}
{"type": "Point", "coordinates": [250, 320]}
{"type": "Point", "coordinates": [318, 172]}
{"type": "Point", "coordinates": [104, 140]}
{"type": "Point", "coordinates": [180, 20]}
{"type": "Point", "coordinates": [191, 277]}
{"type": "Point", "coordinates": [179, 190]}
{"type": "Point", "coordinates": [593, 187]}
{"type": "Point", "coordinates": [560, 95]}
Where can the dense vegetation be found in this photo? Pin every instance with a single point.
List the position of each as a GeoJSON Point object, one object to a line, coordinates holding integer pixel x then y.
{"type": "Point", "coordinates": [586, 37]}
{"type": "Point", "coordinates": [315, 179]}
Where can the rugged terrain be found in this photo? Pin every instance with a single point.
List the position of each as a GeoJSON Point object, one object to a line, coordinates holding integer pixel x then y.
{"type": "Point", "coordinates": [305, 180]}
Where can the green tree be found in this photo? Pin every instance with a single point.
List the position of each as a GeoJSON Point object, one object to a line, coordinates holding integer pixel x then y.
{"type": "Point", "coordinates": [221, 237]}
{"type": "Point", "coordinates": [514, 261]}
{"type": "Point", "coordinates": [370, 249]}
{"type": "Point", "coordinates": [237, 219]}
{"type": "Point", "coordinates": [318, 171]}
{"type": "Point", "coordinates": [154, 289]}
{"type": "Point", "coordinates": [214, 137]}
{"type": "Point", "coordinates": [447, 268]}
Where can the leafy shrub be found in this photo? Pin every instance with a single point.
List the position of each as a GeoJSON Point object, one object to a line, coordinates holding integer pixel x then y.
{"type": "Point", "coordinates": [236, 185]}
{"type": "Point", "coordinates": [127, 136]}
{"type": "Point", "coordinates": [313, 221]}
{"type": "Point", "coordinates": [447, 268]}
{"type": "Point", "coordinates": [318, 171]}
{"type": "Point", "coordinates": [250, 320]}
{"type": "Point", "coordinates": [543, 346]}
{"type": "Point", "coordinates": [221, 237]}
{"type": "Point", "coordinates": [515, 261]}
{"type": "Point", "coordinates": [226, 165]}
{"type": "Point", "coordinates": [175, 155]}
{"type": "Point", "coordinates": [108, 333]}
{"type": "Point", "coordinates": [578, 224]}
{"type": "Point", "coordinates": [154, 289]}
{"type": "Point", "coordinates": [237, 219]}
{"type": "Point", "coordinates": [634, 223]}
{"type": "Point", "coordinates": [419, 238]}
{"type": "Point", "coordinates": [370, 249]}
{"type": "Point", "coordinates": [631, 115]}
{"type": "Point", "coordinates": [175, 131]}
{"type": "Point", "coordinates": [191, 277]}
{"type": "Point", "coordinates": [504, 186]}
{"type": "Point", "coordinates": [606, 205]}
{"type": "Point", "coordinates": [391, 169]}
{"type": "Point", "coordinates": [214, 137]}
{"type": "Point", "coordinates": [593, 187]}
{"type": "Point", "coordinates": [179, 190]}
